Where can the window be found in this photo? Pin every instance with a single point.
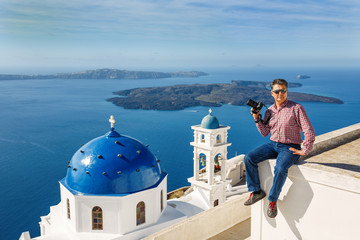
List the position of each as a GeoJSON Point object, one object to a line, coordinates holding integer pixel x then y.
{"type": "Point", "coordinates": [216, 162]}
{"type": "Point", "coordinates": [202, 138]}
{"type": "Point", "coordinates": [140, 213]}
{"type": "Point", "coordinates": [216, 202]}
{"type": "Point", "coordinates": [68, 208]}
{"type": "Point", "coordinates": [202, 161]}
{"type": "Point", "coordinates": [97, 218]}
{"type": "Point", "coordinates": [161, 201]}
{"type": "Point", "coordinates": [218, 139]}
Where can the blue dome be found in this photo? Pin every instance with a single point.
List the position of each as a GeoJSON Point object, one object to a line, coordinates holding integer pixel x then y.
{"type": "Point", "coordinates": [112, 164]}
{"type": "Point", "coordinates": [210, 122]}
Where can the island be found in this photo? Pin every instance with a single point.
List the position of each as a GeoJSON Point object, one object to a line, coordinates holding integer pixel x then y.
{"type": "Point", "coordinates": [105, 73]}
{"type": "Point", "coordinates": [302, 76]}
{"type": "Point", "coordinates": [179, 97]}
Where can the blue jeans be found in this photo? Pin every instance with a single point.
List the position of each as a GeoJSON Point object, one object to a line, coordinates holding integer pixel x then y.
{"type": "Point", "coordinates": [284, 160]}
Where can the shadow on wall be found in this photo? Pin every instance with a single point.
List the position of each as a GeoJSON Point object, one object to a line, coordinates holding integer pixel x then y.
{"type": "Point", "coordinates": [294, 199]}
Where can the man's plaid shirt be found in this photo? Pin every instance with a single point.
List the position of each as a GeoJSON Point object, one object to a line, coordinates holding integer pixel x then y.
{"type": "Point", "coordinates": [286, 124]}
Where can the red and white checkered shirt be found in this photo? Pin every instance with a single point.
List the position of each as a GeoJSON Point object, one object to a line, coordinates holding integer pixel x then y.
{"type": "Point", "coordinates": [286, 124]}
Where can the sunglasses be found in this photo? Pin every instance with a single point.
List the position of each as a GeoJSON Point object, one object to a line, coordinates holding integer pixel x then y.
{"type": "Point", "coordinates": [280, 90]}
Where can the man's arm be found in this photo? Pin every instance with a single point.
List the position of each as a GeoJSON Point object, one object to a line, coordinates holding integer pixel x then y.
{"type": "Point", "coordinates": [307, 129]}
{"type": "Point", "coordinates": [263, 129]}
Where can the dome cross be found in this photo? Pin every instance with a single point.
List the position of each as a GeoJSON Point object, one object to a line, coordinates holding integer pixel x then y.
{"type": "Point", "coordinates": [112, 121]}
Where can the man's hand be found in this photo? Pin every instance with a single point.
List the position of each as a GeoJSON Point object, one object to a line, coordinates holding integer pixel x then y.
{"type": "Point", "coordinates": [297, 152]}
{"type": "Point", "coordinates": [255, 116]}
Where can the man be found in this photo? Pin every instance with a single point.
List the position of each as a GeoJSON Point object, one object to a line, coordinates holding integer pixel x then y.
{"type": "Point", "coordinates": [284, 120]}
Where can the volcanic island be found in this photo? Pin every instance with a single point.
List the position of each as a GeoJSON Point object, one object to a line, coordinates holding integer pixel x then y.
{"type": "Point", "coordinates": [179, 97]}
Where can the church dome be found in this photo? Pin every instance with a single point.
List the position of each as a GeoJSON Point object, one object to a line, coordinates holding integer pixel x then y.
{"type": "Point", "coordinates": [210, 121]}
{"type": "Point", "coordinates": [112, 164]}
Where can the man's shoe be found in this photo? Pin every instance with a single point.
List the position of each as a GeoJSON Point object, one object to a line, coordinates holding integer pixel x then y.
{"type": "Point", "coordinates": [272, 210]}
{"type": "Point", "coordinates": [254, 197]}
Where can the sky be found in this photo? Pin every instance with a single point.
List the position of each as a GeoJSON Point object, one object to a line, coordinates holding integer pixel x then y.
{"type": "Point", "coordinates": [47, 35]}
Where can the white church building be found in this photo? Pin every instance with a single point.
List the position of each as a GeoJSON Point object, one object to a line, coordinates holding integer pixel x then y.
{"type": "Point", "coordinates": [114, 188]}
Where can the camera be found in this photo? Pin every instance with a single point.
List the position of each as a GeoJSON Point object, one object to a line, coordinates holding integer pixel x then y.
{"type": "Point", "coordinates": [255, 105]}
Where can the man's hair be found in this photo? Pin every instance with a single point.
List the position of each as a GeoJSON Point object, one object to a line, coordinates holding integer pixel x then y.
{"type": "Point", "coordinates": [279, 81]}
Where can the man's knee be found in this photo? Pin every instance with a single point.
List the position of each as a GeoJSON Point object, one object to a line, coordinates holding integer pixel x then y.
{"type": "Point", "coordinates": [247, 159]}
{"type": "Point", "coordinates": [281, 170]}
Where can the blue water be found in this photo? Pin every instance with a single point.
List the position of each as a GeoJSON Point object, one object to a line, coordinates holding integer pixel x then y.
{"type": "Point", "coordinates": [43, 122]}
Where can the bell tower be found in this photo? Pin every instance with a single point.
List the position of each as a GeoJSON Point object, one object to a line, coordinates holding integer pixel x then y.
{"type": "Point", "coordinates": [210, 155]}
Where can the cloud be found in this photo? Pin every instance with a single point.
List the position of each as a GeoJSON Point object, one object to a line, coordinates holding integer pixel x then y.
{"type": "Point", "coordinates": [178, 28]}
{"type": "Point", "coordinates": [169, 18]}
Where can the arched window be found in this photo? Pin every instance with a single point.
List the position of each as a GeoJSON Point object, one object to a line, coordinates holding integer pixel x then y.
{"type": "Point", "coordinates": [161, 201]}
{"type": "Point", "coordinates": [202, 161]}
{"type": "Point", "coordinates": [216, 162]}
{"type": "Point", "coordinates": [97, 218]}
{"type": "Point", "coordinates": [68, 208]}
{"type": "Point", "coordinates": [218, 139]}
{"type": "Point", "coordinates": [202, 138]}
{"type": "Point", "coordinates": [140, 213]}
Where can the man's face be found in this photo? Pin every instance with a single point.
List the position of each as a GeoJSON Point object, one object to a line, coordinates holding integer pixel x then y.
{"type": "Point", "coordinates": [278, 94]}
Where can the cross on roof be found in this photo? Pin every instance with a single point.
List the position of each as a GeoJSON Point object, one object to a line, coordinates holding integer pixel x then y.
{"type": "Point", "coordinates": [112, 121]}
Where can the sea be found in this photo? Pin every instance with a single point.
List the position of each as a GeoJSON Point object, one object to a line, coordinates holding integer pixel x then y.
{"type": "Point", "coordinates": [44, 122]}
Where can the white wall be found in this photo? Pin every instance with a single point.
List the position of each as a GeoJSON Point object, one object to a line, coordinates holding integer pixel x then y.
{"type": "Point", "coordinates": [66, 194]}
{"type": "Point", "coordinates": [314, 204]}
{"type": "Point", "coordinates": [119, 212]}
{"type": "Point", "coordinates": [208, 223]}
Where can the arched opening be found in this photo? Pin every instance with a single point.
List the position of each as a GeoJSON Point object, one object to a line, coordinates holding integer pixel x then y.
{"type": "Point", "coordinates": [161, 201]}
{"type": "Point", "coordinates": [218, 138]}
{"type": "Point", "coordinates": [140, 213]}
{"type": "Point", "coordinates": [97, 218]}
{"type": "Point", "coordinates": [217, 163]}
{"type": "Point", "coordinates": [202, 139]}
{"type": "Point", "coordinates": [68, 208]}
{"type": "Point", "coordinates": [202, 162]}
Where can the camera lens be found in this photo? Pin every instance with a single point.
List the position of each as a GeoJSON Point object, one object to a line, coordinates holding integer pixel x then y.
{"type": "Point", "coordinates": [252, 103]}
